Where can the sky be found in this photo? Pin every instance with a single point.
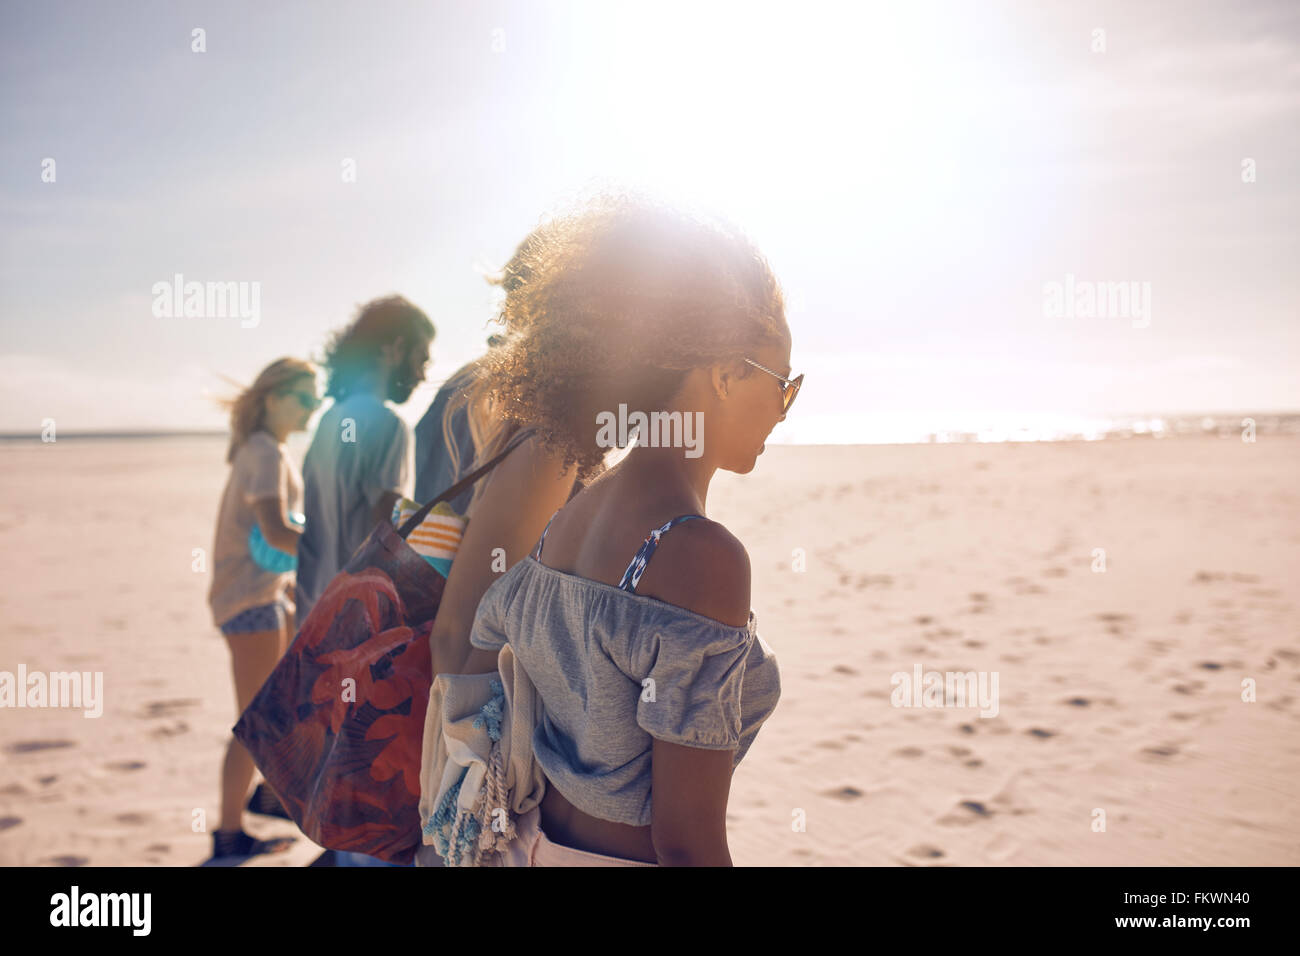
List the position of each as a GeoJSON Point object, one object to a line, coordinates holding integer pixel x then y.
{"type": "Point", "coordinates": [923, 177]}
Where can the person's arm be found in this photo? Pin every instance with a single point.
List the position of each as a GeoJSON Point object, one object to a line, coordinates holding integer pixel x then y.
{"type": "Point", "coordinates": [277, 531]}
{"type": "Point", "coordinates": [523, 491]}
{"type": "Point", "coordinates": [265, 490]}
{"type": "Point", "coordinates": [689, 789]}
{"type": "Point", "coordinates": [705, 570]}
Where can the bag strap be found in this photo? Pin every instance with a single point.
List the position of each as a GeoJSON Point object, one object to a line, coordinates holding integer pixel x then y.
{"type": "Point", "coordinates": [413, 522]}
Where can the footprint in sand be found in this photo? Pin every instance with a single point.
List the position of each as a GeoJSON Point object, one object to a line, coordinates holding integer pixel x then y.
{"type": "Point", "coordinates": [48, 779]}
{"type": "Point", "coordinates": [844, 793]}
{"type": "Point", "coordinates": [874, 580]}
{"type": "Point", "coordinates": [1025, 586]}
{"type": "Point", "coordinates": [959, 751]}
{"type": "Point", "coordinates": [126, 766]}
{"type": "Point", "coordinates": [69, 860]}
{"type": "Point", "coordinates": [1055, 573]}
{"type": "Point", "coordinates": [909, 752]}
{"type": "Point", "coordinates": [925, 851]}
{"type": "Point", "coordinates": [923, 619]}
{"type": "Point", "coordinates": [8, 823]}
{"type": "Point", "coordinates": [1078, 702]}
{"type": "Point", "coordinates": [1159, 753]}
{"type": "Point", "coordinates": [964, 814]}
{"type": "Point", "coordinates": [1189, 688]}
{"type": "Point", "coordinates": [1040, 732]}
{"type": "Point", "coordinates": [844, 669]}
{"type": "Point", "coordinates": [133, 819]}
{"type": "Point", "coordinates": [34, 746]}
{"type": "Point", "coordinates": [171, 730]}
{"type": "Point", "coordinates": [830, 744]}
{"type": "Point", "coordinates": [1210, 665]}
{"type": "Point", "coordinates": [168, 708]}
{"type": "Point", "coordinates": [13, 789]}
{"type": "Point", "coordinates": [1115, 623]}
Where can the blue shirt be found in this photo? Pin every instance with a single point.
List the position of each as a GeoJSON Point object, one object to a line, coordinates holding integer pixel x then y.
{"type": "Point", "coordinates": [433, 470]}
{"type": "Point", "coordinates": [361, 450]}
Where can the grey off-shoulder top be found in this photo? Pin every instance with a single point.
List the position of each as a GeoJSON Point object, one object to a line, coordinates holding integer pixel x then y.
{"type": "Point", "coordinates": [588, 647]}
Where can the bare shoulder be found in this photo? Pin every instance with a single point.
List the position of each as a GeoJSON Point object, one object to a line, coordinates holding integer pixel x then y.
{"type": "Point", "coordinates": [701, 566]}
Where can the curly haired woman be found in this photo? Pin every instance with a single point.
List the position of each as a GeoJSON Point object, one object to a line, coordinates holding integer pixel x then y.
{"type": "Point", "coordinates": [624, 302]}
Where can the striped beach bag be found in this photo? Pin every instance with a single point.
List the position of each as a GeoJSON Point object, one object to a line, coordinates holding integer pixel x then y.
{"type": "Point", "coordinates": [338, 727]}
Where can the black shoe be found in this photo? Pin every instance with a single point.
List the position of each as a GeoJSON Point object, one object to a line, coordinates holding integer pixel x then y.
{"type": "Point", "coordinates": [264, 802]}
{"type": "Point", "coordinates": [237, 843]}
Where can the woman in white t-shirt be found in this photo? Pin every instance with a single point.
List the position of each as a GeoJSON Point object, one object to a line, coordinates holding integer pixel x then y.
{"type": "Point", "coordinates": [252, 567]}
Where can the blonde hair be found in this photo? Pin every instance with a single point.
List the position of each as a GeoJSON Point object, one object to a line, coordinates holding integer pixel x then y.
{"type": "Point", "coordinates": [615, 301]}
{"type": "Point", "coordinates": [248, 408]}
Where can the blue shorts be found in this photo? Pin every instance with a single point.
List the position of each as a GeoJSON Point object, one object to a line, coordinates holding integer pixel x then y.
{"type": "Point", "coordinates": [264, 617]}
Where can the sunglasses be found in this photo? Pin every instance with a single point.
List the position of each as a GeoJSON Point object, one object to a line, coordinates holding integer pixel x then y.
{"type": "Point", "coordinates": [308, 401]}
{"type": "Point", "coordinates": [789, 387]}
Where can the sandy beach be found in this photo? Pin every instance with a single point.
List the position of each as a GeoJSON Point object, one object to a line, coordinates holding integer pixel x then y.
{"type": "Point", "coordinates": [1120, 691]}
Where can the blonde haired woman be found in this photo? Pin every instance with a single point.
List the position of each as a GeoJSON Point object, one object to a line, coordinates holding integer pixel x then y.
{"type": "Point", "coordinates": [623, 304]}
{"type": "Point", "coordinates": [252, 578]}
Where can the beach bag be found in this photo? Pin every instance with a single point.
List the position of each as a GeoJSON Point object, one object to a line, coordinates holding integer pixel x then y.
{"type": "Point", "coordinates": [337, 728]}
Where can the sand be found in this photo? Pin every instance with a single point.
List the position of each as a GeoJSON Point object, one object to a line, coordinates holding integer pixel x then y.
{"type": "Point", "coordinates": [1120, 691]}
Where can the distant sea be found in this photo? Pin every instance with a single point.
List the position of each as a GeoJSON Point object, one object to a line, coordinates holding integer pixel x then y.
{"type": "Point", "coordinates": [883, 429]}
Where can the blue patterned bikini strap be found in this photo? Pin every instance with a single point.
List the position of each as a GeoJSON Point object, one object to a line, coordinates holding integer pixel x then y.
{"type": "Point", "coordinates": [537, 552]}
{"type": "Point", "coordinates": [632, 576]}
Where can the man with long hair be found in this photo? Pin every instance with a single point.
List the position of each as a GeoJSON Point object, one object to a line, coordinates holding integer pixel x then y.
{"type": "Point", "coordinates": [360, 459]}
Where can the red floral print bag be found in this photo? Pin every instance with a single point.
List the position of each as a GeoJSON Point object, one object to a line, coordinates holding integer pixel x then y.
{"type": "Point", "coordinates": [338, 727]}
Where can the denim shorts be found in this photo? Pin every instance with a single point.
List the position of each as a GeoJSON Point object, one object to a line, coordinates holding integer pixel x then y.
{"type": "Point", "coordinates": [264, 617]}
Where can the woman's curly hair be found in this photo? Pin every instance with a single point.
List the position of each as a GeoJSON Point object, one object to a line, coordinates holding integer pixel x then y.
{"type": "Point", "coordinates": [614, 302]}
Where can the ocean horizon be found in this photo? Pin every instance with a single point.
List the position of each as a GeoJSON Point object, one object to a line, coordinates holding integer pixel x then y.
{"type": "Point", "coordinates": [882, 430]}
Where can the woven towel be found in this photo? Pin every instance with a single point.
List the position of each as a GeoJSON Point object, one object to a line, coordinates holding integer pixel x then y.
{"type": "Point", "coordinates": [438, 537]}
{"type": "Point", "coordinates": [477, 772]}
